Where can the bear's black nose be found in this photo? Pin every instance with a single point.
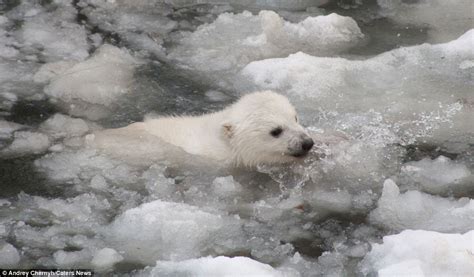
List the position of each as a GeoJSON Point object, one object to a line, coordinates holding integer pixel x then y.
{"type": "Point", "coordinates": [307, 144]}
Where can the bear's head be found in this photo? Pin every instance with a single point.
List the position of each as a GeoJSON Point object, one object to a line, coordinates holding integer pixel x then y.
{"type": "Point", "coordinates": [263, 128]}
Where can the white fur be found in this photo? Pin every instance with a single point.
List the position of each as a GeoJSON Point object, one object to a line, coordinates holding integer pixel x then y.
{"type": "Point", "coordinates": [239, 134]}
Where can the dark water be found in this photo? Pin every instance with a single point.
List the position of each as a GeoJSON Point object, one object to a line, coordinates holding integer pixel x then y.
{"type": "Point", "coordinates": [163, 90]}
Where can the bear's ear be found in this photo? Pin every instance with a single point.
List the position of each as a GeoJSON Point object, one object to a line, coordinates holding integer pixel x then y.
{"type": "Point", "coordinates": [228, 130]}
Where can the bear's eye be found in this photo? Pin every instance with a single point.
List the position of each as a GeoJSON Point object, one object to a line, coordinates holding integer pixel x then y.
{"type": "Point", "coordinates": [276, 132]}
{"type": "Point", "coordinates": [296, 118]}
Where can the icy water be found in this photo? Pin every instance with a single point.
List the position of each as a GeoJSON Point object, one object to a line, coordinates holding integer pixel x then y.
{"type": "Point", "coordinates": [389, 84]}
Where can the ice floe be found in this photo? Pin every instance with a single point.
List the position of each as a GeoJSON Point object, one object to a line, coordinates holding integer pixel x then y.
{"type": "Point", "coordinates": [87, 87]}
{"type": "Point", "coordinates": [421, 253]}
{"type": "Point", "coordinates": [416, 210]}
{"type": "Point", "coordinates": [234, 40]}
{"type": "Point", "coordinates": [171, 231]}
{"type": "Point", "coordinates": [217, 266]}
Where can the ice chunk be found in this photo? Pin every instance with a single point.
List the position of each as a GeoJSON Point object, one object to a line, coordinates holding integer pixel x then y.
{"type": "Point", "coordinates": [125, 20]}
{"type": "Point", "coordinates": [56, 148]}
{"type": "Point", "coordinates": [7, 100]}
{"type": "Point", "coordinates": [226, 187]}
{"type": "Point", "coordinates": [26, 142]}
{"type": "Point", "coordinates": [436, 176]}
{"type": "Point", "coordinates": [6, 51]}
{"type": "Point", "coordinates": [4, 202]}
{"type": "Point", "coordinates": [10, 256]}
{"type": "Point", "coordinates": [3, 20]}
{"type": "Point", "coordinates": [82, 208]}
{"type": "Point", "coordinates": [326, 76]}
{"type": "Point", "coordinates": [417, 210]}
{"type": "Point", "coordinates": [3, 228]}
{"type": "Point", "coordinates": [159, 186]}
{"type": "Point", "coordinates": [421, 253]}
{"type": "Point", "coordinates": [148, 23]}
{"type": "Point", "coordinates": [7, 42]}
{"type": "Point", "coordinates": [300, 265]}
{"type": "Point", "coordinates": [16, 82]}
{"type": "Point", "coordinates": [68, 165]}
{"type": "Point", "coordinates": [55, 33]}
{"type": "Point", "coordinates": [217, 266]}
{"type": "Point", "coordinates": [51, 70]}
{"type": "Point", "coordinates": [446, 19]}
{"type": "Point", "coordinates": [69, 259]}
{"type": "Point", "coordinates": [99, 80]}
{"type": "Point", "coordinates": [7, 128]}
{"type": "Point", "coordinates": [98, 182]}
{"type": "Point", "coordinates": [67, 41]}
{"type": "Point", "coordinates": [105, 259]}
{"type": "Point", "coordinates": [67, 227]}
{"type": "Point", "coordinates": [169, 231]}
{"type": "Point", "coordinates": [144, 42]}
{"type": "Point", "coordinates": [59, 126]}
{"type": "Point", "coordinates": [234, 40]}
{"type": "Point", "coordinates": [85, 212]}
{"type": "Point", "coordinates": [141, 25]}
{"type": "Point", "coordinates": [15, 72]}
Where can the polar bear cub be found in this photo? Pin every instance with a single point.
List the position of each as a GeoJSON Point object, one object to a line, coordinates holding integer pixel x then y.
{"type": "Point", "coordinates": [260, 128]}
